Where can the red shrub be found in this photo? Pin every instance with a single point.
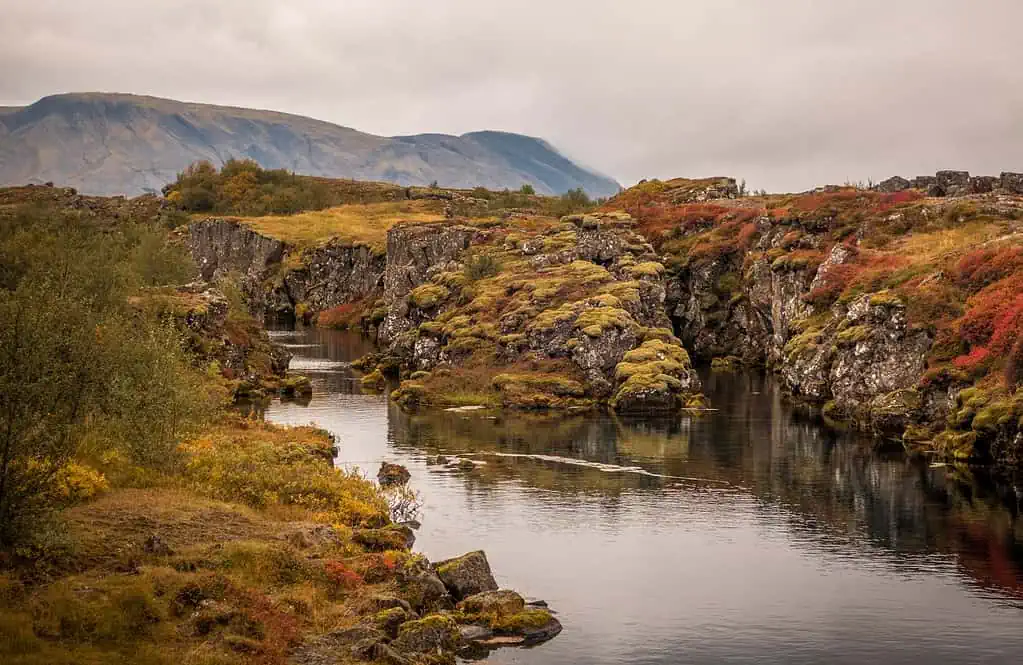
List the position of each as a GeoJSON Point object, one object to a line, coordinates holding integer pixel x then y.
{"type": "Point", "coordinates": [865, 272]}
{"type": "Point", "coordinates": [986, 266]}
{"type": "Point", "coordinates": [746, 233]}
{"type": "Point", "coordinates": [342, 576]}
{"type": "Point", "coordinates": [276, 630]}
{"type": "Point", "coordinates": [889, 201]}
{"type": "Point", "coordinates": [994, 315]}
{"type": "Point", "coordinates": [825, 201]}
{"type": "Point", "coordinates": [341, 317]}
{"type": "Point", "coordinates": [974, 360]}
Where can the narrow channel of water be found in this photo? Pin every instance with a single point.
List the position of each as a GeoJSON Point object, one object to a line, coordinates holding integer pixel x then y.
{"type": "Point", "coordinates": [746, 535]}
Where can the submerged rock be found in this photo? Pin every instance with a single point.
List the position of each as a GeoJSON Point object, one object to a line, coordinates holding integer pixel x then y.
{"type": "Point", "coordinates": [296, 386]}
{"type": "Point", "coordinates": [392, 474]}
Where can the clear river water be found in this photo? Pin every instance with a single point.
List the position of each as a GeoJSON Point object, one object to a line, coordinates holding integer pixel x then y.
{"type": "Point", "coordinates": [744, 535]}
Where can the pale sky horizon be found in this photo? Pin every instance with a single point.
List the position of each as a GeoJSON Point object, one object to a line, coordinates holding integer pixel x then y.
{"type": "Point", "coordinates": [787, 95]}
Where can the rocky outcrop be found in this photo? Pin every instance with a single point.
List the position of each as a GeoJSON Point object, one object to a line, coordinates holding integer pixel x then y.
{"type": "Point", "coordinates": [865, 362]}
{"type": "Point", "coordinates": [419, 622]}
{"type": "Point", "coordinates": [327, 276]}
{"type": "Point", "coordinates": [862, 359]}
{"type": "Point", "coordinates": [571, 299]}
{"type": "Point", "coordinates": [954, 183]}
{"type": "Point", "coordinates": [414, 252]}
{"type": "Point", "coordinates": [232, 343]}
{"type": "Point", "coordinates": [222, 247]}
{"type": "Point", "coordinates": [280, 278]}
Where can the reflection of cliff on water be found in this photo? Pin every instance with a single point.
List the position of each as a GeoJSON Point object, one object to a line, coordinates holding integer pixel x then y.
{"type": "Point", "coordinates": [835, 487]}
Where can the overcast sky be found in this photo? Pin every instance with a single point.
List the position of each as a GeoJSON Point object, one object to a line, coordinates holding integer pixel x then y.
{"type": "Point", "coordinates": [787, 94]}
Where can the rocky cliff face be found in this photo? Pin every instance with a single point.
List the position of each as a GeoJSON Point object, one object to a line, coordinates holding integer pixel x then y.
{"type": "Point", "coordinates": [892, 310]}
{"type": "Point", "coordinates": [862, 358]}
{"type": "Point", "coordinates": [280, 278]}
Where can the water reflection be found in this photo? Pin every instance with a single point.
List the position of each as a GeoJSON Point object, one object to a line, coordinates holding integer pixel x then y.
{"type": "Point", "coordinates": [748, 534]}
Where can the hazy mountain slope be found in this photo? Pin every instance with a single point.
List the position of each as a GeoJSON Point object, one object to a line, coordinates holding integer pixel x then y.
{"type": "Point", "coordinates": [539, 158]}
{"type": "Point", "coordinates": [127, 144]}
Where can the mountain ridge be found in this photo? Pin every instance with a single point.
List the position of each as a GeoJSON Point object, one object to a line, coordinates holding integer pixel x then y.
{"type": "Point", "coordinates": [120, 143]}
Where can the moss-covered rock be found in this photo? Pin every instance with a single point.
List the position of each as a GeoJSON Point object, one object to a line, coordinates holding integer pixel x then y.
{"type": "Point", "coordinates": [391, 537]}
{"type": "Point", "coordinates": [374, 381]}
{"type": "Point", "coordinates": [502, 603]}
{"type": "Point", "coordinates": [657, 376]}
{"type": "Point", "coordinates": [466, 575]}
{"type": "Point", "coordinates": [433, 634]}
{"type": "Point", "coordinates": [955, 445]}
{"type": "Point", "coordinates": [428, 296]}
{"type": "Point", "coordinates": [296, 386]}
{"type": "Point", "coordinates": [541, 391]}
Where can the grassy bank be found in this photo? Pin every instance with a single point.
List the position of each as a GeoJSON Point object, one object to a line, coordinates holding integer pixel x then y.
{"type": "Point", "coordinates": [232, 556]}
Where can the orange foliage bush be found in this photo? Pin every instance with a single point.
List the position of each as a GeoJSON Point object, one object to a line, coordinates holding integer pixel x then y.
{"type": "Point", "coordinates": [986, 266]}
{"type": "Point", "coordinates": [866, 271]}
{"type": "Point", "coordinates": [342, 576]}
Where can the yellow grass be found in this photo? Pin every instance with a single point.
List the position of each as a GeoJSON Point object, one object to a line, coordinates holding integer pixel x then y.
{"type": "Point", "coordinates": [365, 223]}
{"type": "Point", "coordinates": [932, 247]}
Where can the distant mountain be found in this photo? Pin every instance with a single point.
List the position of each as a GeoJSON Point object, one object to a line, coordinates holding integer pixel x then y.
{"type": "Point", "coordinates": [128, 144]}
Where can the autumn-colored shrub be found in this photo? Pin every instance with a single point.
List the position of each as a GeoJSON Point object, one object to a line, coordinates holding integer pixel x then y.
{"type": "Point", "coordinates": [888, 201]}
{"type": "Point", "coordinates": [265, 466]}
{"type": "Point", "coordinates": [865, 272]}
{"type": "Point", "coordinates": [342, 317]}
{"type": "Point", "coordinates": [974, 360]}
{"type": "Point", "coordinates": [986, 266]}
{"type": "Point", "coordinates": [341, 576]}
{"type": "Point", "coordinates": [746, 234]}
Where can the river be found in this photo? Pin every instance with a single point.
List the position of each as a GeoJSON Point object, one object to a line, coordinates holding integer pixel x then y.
{"type": "Point", "coordinates": [745, 535]}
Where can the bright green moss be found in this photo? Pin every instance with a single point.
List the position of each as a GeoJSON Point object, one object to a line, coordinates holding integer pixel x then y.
{"type": "Point", "coordinates": [431, 329]}
{"type": "Point", "coordinates": [522, 622]}
{"type": "Point", "coordinates": [428, 296]}
{"type": "Point", "coordinates": [651, 269]}
{"type": "Point", "coordinates": [599, 319]}
{"type": "Point", "coordinates": [853, 335]}
{"type": "Point", "coordinates": [885, 299]}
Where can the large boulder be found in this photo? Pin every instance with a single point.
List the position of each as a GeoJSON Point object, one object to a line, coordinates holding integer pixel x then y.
{"type": "Point", "coordinates": [953, 183]}
{"type": "Point", "coordinates": [1011, 182]}
{"type": "Point", "coordinates": [466, 575]}
{"type": "Point", "coordinates": [892, 185]}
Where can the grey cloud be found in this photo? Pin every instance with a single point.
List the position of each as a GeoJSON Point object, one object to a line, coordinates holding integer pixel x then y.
{"type": "Point", "coordinates": [786, 93]}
